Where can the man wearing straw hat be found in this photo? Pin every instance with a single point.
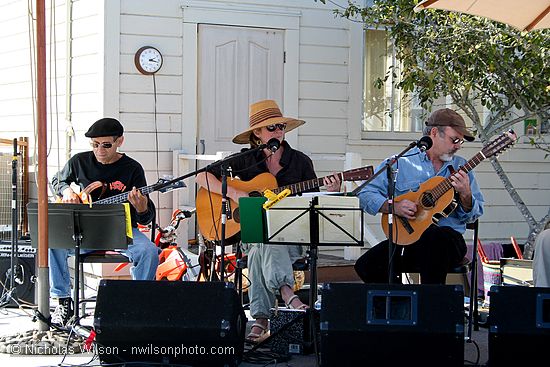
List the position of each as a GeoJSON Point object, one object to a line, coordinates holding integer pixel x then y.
{"type": "Point", "coordinates": [270, 266]}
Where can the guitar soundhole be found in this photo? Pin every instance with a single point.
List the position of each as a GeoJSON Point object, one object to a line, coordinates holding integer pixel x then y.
{"type": "Point", "coordinates": [237, 215]}
{"type": "Point", "coordinates": [255, 194]}
{"type": "Point", "coordinates": [427, 200]}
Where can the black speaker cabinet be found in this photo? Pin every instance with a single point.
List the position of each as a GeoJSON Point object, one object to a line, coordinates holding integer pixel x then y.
{"type": "Point", "coordinates": [188, 323]}
{"type": "Point", "coordinates": [519, 325]}
{"type": "Point", "coordinates": [392, 325]}
{"type": "Point", "coordinates": [25, 273]}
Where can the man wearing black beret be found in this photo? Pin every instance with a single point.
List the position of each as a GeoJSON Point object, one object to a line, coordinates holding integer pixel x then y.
{"type": "Point", "coordinates": [101, 173]}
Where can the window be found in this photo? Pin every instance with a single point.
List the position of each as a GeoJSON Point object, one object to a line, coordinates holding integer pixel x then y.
{"type": "Point", "coordinates": [385, 108]}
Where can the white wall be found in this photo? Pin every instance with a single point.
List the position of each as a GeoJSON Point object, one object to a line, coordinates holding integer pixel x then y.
{"type": "Point", "coordinates": [105, 82]}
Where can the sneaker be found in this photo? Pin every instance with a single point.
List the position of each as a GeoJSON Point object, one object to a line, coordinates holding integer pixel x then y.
{"type": "Point", "coordinates": [63, 312]}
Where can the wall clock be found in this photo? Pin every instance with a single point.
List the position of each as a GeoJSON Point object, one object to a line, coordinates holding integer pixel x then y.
{"type": "Point", "coordinates": [148, 60]}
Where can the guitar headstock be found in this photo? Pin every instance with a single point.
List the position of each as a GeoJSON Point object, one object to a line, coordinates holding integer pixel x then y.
{"type": "Point", "coordinates": [358, 174]}
{"type": "Point", "coordinates": [500, 144]}
{"type": "Point", "coordinates": [165, 188]}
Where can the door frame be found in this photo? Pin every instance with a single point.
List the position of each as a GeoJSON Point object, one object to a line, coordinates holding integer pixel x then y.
{"type": "Point", "coordinates": [233, 14]}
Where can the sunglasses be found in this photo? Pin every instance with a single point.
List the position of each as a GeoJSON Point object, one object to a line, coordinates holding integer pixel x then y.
{"type": "Point", "coordinates": [272, 128]}
{"type": "Point", "coordinates": [104, 145]}
{"type": "Point", "coordinates": [455, 140]}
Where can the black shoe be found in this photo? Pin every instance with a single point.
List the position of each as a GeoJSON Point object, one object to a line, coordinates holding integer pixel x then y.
{"type": "Point", "coordinates": [63, 312]}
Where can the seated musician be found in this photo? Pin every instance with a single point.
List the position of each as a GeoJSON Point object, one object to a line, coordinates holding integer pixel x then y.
{"type": "Point", "coordinates": [439, 247]}
{"type": "Point", "coordinates": [101, 173]}
{"type": "Point", "coordinates": [270, 266]}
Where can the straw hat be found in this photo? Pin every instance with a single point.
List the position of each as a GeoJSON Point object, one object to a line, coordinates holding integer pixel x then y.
{"type": "Point", "coordinates": [265, 113]}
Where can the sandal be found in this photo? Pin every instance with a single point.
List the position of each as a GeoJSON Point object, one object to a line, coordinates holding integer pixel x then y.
{"type": "Point", "coordinates": [289, 305]}
{"type": "Point", "coordinates": [256, 338]}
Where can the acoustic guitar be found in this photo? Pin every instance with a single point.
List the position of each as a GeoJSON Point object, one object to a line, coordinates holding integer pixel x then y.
{"type": "Point", "coordinates": [435, 197]}
{"type": "Point", "coordinates": [209, 204]}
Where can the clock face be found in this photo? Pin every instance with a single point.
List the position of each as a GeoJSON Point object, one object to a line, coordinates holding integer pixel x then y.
{"type": "Point", "coordinates": [148, 60]}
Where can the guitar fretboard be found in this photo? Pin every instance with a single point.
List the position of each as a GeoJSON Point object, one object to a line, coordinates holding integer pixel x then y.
{"type": "Point", "coordinates": [440, 189]}
{"type": "Point", "coordinates": [301, 186]}
{"type": "Point", "coordinates": [121, 198]}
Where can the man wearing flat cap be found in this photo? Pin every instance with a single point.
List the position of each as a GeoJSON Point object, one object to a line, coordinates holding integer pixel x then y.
{"type": "Point", "coordinates": [440, 247]}
{"type": "Point", "coordinates": [101, 173]}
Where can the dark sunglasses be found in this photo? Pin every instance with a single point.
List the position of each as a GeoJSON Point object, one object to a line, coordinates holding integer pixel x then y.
{"type": "Point", "coordinates": [272, 128]}
{"type": "Point", "coordinates": [455, 140]}
{"type": "Point", "coordinates": [105, 145]}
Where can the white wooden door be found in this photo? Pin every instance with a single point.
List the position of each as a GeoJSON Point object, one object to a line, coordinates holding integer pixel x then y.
{"type": "Point", "coordinates": [237, 66]}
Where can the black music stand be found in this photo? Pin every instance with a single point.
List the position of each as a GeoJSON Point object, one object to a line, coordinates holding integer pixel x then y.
{"type": "Point", "coordinates": [314, 212]}
{"type": "Point", "coordinates": [80, 226]}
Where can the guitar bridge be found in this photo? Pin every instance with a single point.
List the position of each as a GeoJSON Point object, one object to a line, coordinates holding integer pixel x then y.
{"type": "Point", "coordinates": [406, 224]}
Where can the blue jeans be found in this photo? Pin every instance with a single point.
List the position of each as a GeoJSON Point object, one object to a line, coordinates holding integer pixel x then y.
{"type": "Point", "coordinates": [142, 253]}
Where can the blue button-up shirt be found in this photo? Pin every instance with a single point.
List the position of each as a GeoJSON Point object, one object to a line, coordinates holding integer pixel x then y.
{"type": "Point", "coordinates": [414, 169]}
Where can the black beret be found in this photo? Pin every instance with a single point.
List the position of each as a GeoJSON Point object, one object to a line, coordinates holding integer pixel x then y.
{"type": "Point", "coordinates": [105, 127]}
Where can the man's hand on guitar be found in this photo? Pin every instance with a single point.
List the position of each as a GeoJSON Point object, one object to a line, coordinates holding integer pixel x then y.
{"type": "Point", "coordinates": [69, 196]}
{"type": "Point", "coordinates": [234, 194]}
{"type": "Point", "coordinates": [405, 208]}
{"type": "Point", "coordinates": [138, 200]}
{"type": "Point", "coordinates": [332, 183]}
{"type": "Point", "coordinates": [461, 184]}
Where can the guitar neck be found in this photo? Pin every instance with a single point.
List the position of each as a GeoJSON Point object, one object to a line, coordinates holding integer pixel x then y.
{"type": "Point", "coordinates": [123, 197]}
{"type": "Point", "coordinates": [446, 185]}
{"type": "Point", "coordinates": [301, 186]}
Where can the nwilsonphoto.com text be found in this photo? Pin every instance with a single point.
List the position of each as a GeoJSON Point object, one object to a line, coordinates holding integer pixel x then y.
{"type": "Point", "coordinates": [144, 350]}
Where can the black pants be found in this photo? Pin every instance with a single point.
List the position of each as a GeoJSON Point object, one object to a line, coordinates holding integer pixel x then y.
{"type": "Point", "coordinates": [438, 250]}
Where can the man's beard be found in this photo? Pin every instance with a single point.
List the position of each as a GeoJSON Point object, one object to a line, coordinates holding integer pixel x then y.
{"type": "Point", "coordinates": [448, 156]}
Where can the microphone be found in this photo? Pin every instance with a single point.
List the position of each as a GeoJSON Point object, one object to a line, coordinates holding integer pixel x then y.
{"type": "Point", "coordinates": [273, 144]}
{"type": "Point", "coordinates": [425, 143]}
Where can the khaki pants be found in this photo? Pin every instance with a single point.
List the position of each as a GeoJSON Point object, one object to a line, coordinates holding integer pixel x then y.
{"type": "Point", "coordinates": [269, 268]}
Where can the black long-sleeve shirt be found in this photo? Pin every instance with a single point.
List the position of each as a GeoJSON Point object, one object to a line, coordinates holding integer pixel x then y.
{"type": "Point", "coordinates": [297, 167]}
{"type": "Point", "coordinates": [118, 177]}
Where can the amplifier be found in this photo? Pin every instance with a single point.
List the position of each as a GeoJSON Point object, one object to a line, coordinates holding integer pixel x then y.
{"type": "Point", "coordinates": [392, 325]}
{"type": "Point", "coordinates": [26, 271]}
{"type": "Point", "coordinates": [25, 250]}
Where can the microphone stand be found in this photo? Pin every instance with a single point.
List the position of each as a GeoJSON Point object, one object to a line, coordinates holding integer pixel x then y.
{"type": "Point", "coordinates": [225, 202]}
{"type": "Point", "coordinates": [391, 193]}
{"type": "Point", "coordinates": [226, 211]}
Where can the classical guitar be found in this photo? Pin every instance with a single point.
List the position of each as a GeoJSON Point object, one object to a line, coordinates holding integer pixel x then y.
{"type": "Point", "coordinates": [162, 185]}
{"type": "Point", "coordinates": [209, 204]}
{"type": "Point", "coordinates": [435, 197]}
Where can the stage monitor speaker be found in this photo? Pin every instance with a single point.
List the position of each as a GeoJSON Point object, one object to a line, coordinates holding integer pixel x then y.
{"type": "Point", "coordinates": [25, 273]}
{"type": "Point", "coordinates": [392, 325]}
{"type": "Point", "coordinates": [184, 323]}
{"type": "Point", "coordinates": [519, 325]}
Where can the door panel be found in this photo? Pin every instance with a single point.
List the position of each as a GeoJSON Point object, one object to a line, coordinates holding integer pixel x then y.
{"type": "Point", "coordinates": [237, 66]}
